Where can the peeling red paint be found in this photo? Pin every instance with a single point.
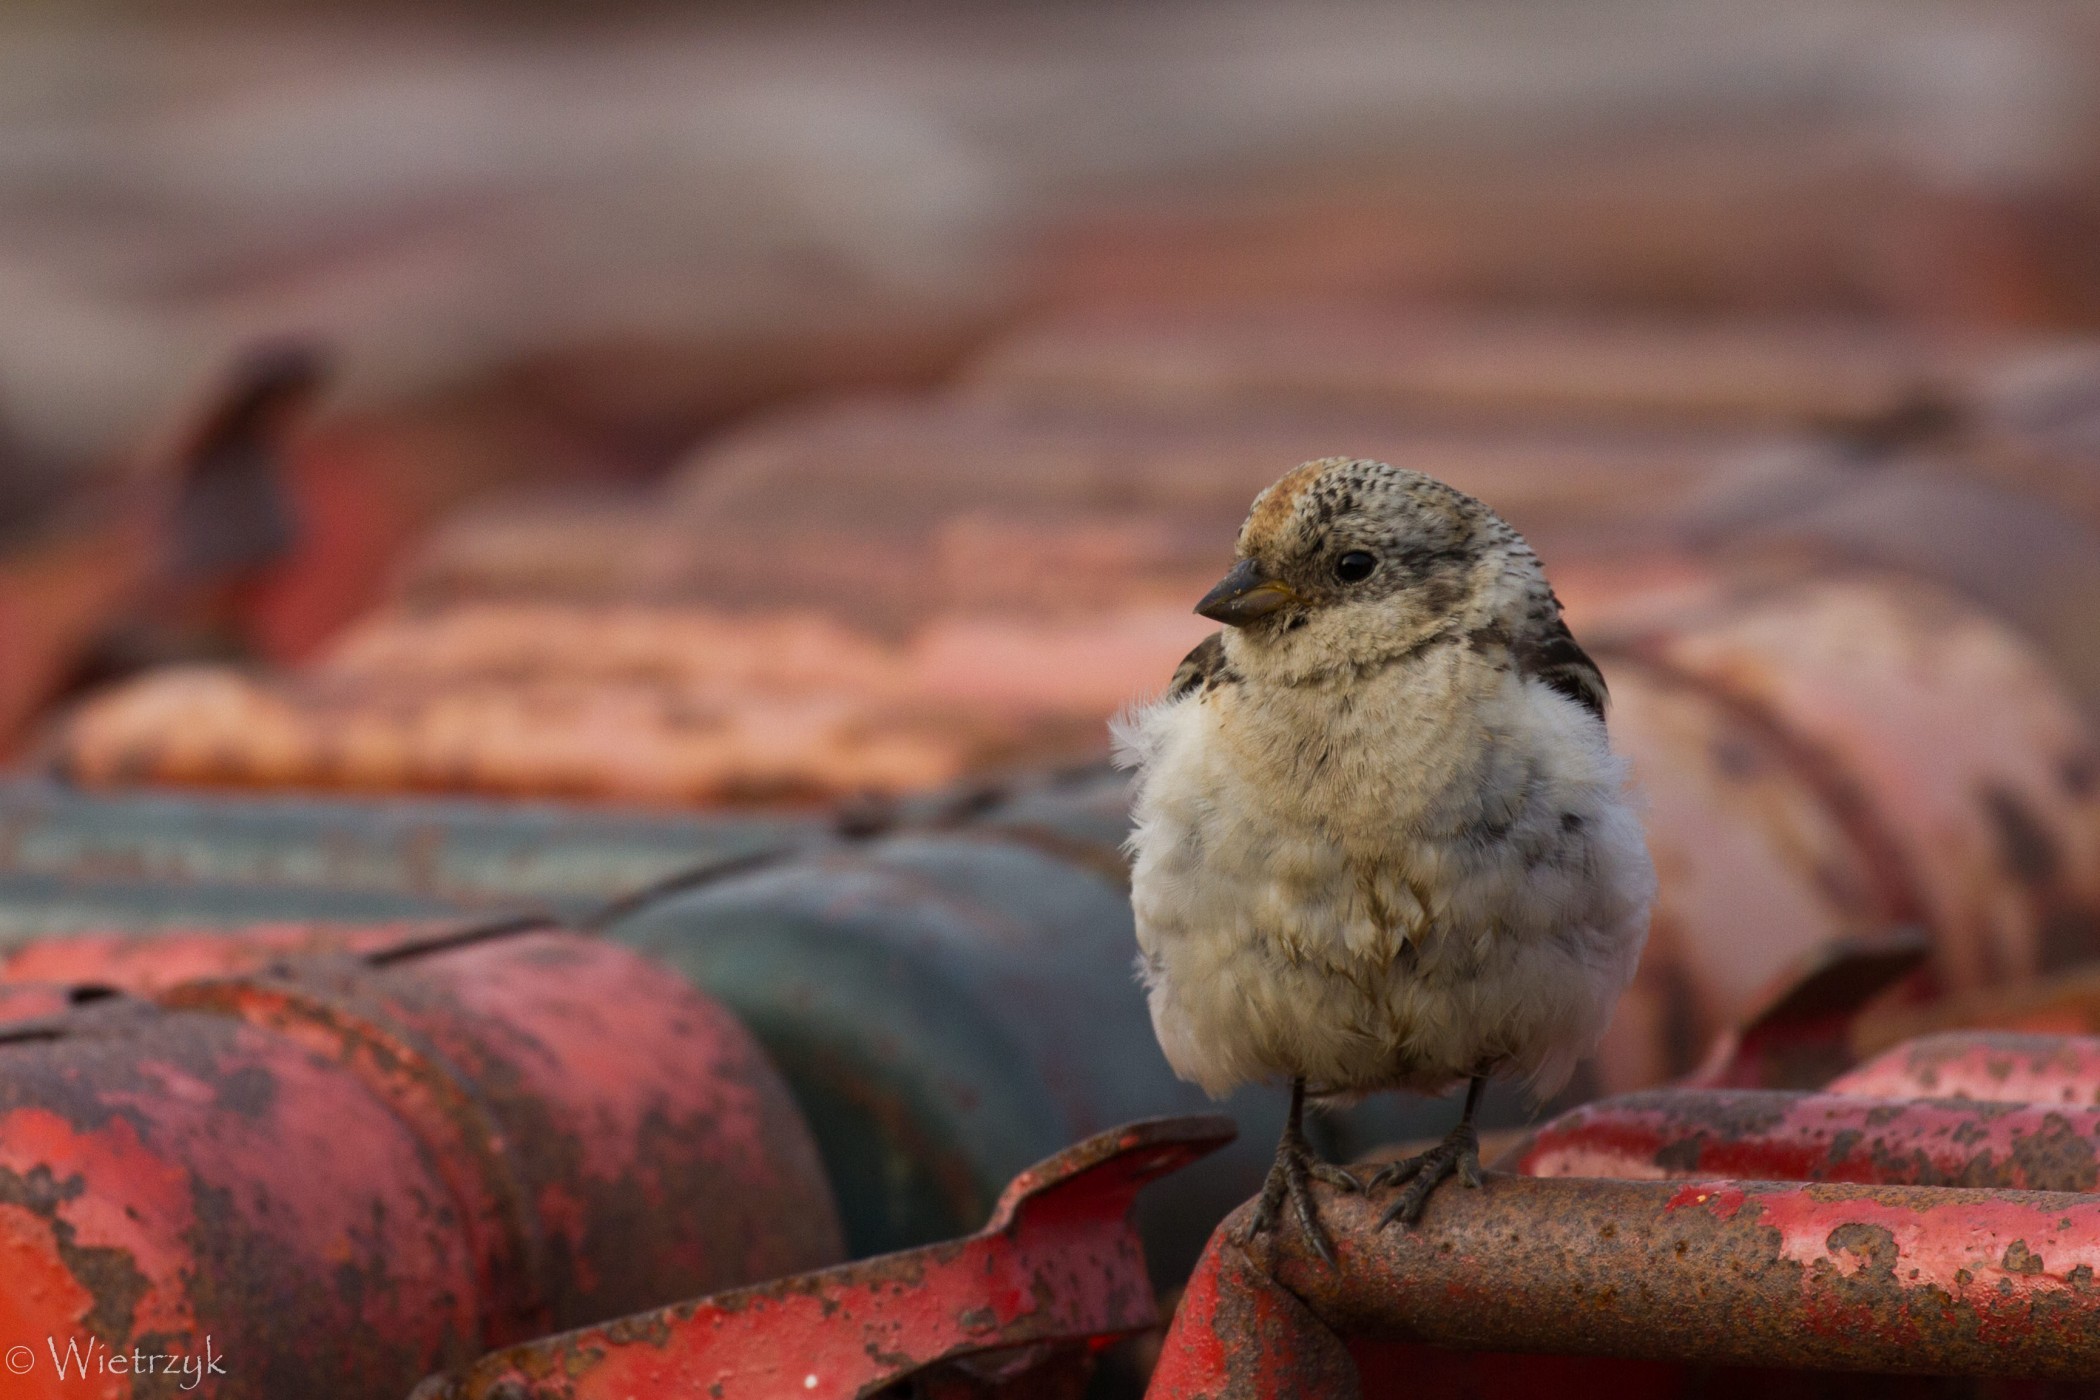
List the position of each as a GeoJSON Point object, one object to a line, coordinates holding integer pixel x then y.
{"type": "Point", "coordinates": [1059, 1264]}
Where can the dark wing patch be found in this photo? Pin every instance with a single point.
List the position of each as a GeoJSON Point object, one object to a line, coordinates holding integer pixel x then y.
{"type": "Point", "coordinates": [1202, 668]}
{"type": "Point", "coordinates": [1550, 652]}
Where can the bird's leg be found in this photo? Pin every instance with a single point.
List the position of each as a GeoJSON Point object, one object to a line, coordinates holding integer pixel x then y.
{"type": "Point", "coordinates": [1457, 1155]}
{"type": "Point", "coordinates": [1290, 1179]}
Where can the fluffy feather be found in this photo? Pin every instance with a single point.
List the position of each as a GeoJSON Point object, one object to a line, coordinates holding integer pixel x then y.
{"type": "Point", "coordinates": [1380, 838]}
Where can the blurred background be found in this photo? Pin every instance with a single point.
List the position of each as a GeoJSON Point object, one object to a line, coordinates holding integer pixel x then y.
{"type": "Point", "coordinates": [827, 414]}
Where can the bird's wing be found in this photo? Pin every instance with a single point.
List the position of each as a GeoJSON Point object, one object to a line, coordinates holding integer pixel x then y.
{"type": "Point", "coordinates": [1549, 652]}
{"type": "Point", "coordinates": [1201, 667]}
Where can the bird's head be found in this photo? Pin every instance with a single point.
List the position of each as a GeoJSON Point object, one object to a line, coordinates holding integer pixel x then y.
{"type": "Point", "coordinates": [1345, 563]}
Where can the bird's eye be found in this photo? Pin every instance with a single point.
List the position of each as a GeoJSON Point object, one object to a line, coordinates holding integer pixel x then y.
{"type": "Point", "coordinates": [1354, 567]}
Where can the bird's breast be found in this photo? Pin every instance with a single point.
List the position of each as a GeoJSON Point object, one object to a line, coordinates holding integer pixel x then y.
{"type": "Point", "coordinates": [1400, 754]}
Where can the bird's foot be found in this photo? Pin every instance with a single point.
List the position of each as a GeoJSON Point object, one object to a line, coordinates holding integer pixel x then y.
{"type": "Point", "coordinates": [1290, 1179]}
{"type": "Point", "coordinates": [1457, 1155]}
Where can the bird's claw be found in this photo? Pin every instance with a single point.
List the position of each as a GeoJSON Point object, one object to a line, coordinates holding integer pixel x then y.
{"type": "Point", "coordinates": [1290, 1179]}
{"type": "Point", "coordinates": [1457, 1155]}
{"type": "Point", "coordinates": [1334, 1176]}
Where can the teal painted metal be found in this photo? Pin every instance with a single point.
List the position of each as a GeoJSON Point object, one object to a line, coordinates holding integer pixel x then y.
{"type": "Point", "coordinates": [72, 861]}
{"type": "Point", "coordinates": [50, 906]}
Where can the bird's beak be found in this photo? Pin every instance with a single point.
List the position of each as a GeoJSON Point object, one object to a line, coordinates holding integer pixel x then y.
{"type": "Point", "coordinates": [1243, 595]}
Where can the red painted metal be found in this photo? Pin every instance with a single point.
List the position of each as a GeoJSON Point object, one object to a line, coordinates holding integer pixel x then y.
{"type": "Point", "coordinates": [1058, 1267]}
{"type": "Point", "coordinates": [1767, 1135]}
{"type": "Point", "coordinates": [1241, 1331]}
{"type": "Point", "coordinates": [1994, 1065]}
{"type": "Point", "coordinates": [1907, 1279]}
{"type": "Point", "coordinates": [345, 1171]}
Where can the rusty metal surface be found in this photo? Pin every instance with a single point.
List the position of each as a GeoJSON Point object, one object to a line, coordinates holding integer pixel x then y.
{"type": "Point", "coordinates": [167, 1178]}
{"type": "Point", "coordinates": [1911, 1279]}
{"type": "Point", "coordinates": [350, 1169]}
{"type": "Point", "coordinates": [669, 730]}
{"type": "Point", "coordinates": [2000, 1066]}
{"type": "Point", "coordinates": [1769, 1135]}
{"type": "Point", "coordinates": [1059, 1263]}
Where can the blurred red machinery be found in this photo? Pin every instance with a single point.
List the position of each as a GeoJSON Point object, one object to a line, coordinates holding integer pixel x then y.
{"type": "Point", "coordinates": [342, 1172]}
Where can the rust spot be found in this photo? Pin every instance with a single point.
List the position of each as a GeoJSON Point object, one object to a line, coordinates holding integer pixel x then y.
{"type": "Point", "coordinates": [1873, 1245]}
{"type": "Point", "coordinates": [2056, 1159]}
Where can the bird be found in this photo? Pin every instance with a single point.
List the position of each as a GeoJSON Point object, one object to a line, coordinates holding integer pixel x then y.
{"type": "Point", "coordinates": [1379, 838]}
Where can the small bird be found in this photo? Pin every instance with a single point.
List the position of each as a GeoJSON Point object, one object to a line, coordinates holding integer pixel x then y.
{"type": "Point", "coordinates": [1380, 840]}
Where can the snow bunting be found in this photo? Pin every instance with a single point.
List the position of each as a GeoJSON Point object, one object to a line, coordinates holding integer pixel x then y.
{"type": "Point", "coordinates": [1380, 839]}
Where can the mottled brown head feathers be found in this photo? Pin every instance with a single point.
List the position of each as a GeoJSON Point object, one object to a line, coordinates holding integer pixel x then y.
{"type": "Point", "coordinates": [1380, 561]}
